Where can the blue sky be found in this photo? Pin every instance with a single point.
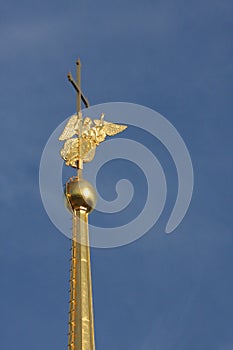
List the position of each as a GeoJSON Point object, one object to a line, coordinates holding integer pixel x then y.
{"type": "Point", "coordinates": [161, 292]}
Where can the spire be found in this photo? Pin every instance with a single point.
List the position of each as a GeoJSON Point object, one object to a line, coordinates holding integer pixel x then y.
{"type": "Point", "coordinates": [81, 137]}
{"type": "Point", "coordinates": [81, 199]}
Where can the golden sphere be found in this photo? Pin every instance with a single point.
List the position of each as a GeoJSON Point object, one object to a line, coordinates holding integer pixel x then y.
{"type": "Point", "coordinates": [80, 193]}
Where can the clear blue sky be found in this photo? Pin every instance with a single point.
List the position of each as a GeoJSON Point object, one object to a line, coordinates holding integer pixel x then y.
{"type": "Point", "coordinates": [161, 292]}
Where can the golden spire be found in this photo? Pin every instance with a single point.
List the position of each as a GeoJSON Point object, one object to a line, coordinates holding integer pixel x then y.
{"type": "Point", "coordinates": [81, 199]}
{"type": "Point", "coordinates": [81, 138]}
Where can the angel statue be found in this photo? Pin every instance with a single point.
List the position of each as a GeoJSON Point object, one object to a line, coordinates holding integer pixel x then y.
{"type": "Point", "coordinates": [82, 136]}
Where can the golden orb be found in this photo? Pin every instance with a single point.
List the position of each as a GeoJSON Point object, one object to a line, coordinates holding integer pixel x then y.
{"type": "Point", "coordinates": [80, 194]}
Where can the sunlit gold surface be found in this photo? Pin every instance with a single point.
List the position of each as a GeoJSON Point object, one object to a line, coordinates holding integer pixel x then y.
{"type": "Point", "coordinates": [82, 198]}
{"type": "Point", "coordinates": [87, 135]}
{"type": "Point", "coordinates": [80, 194]}
{"type": "Point", "coordinates": [81, 138]}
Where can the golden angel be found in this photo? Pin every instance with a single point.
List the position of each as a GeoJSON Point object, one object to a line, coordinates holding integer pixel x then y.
{"type": "Point", "coordinates": [82, 136]}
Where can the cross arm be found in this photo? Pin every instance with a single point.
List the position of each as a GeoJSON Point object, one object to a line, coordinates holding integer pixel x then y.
{"type": "Point", "coordinates": [77, 88]}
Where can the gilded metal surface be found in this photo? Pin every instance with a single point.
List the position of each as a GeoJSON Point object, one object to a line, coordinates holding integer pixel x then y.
{"type": "Point", "coordinates": [81, 318]}
{"type": "Point", "coordinates": [80, 194]}
{"type": "Point", "coordinates": [80, 140]}
{"type": "Point", "coordinates": [82, 136]}
{"type": "Point", "coordinates": [81, 197]}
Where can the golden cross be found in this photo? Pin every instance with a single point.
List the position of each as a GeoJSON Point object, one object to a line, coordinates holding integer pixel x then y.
{"type": "Point", "coordinates": [80, 98]}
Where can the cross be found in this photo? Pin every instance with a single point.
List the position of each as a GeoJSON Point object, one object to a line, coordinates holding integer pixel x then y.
{"type": "Point", "coordinates": [77, 86]}
{"type": "Point", "coordinates": [80, 98]}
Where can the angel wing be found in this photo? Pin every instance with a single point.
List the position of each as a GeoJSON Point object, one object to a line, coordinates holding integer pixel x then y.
{"type": "Point", "coordinates": [109, 128]}
{"type": "Point", "coordinates": [70, 128]}
{"type": "Point", "coordinates": [113, 129]}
